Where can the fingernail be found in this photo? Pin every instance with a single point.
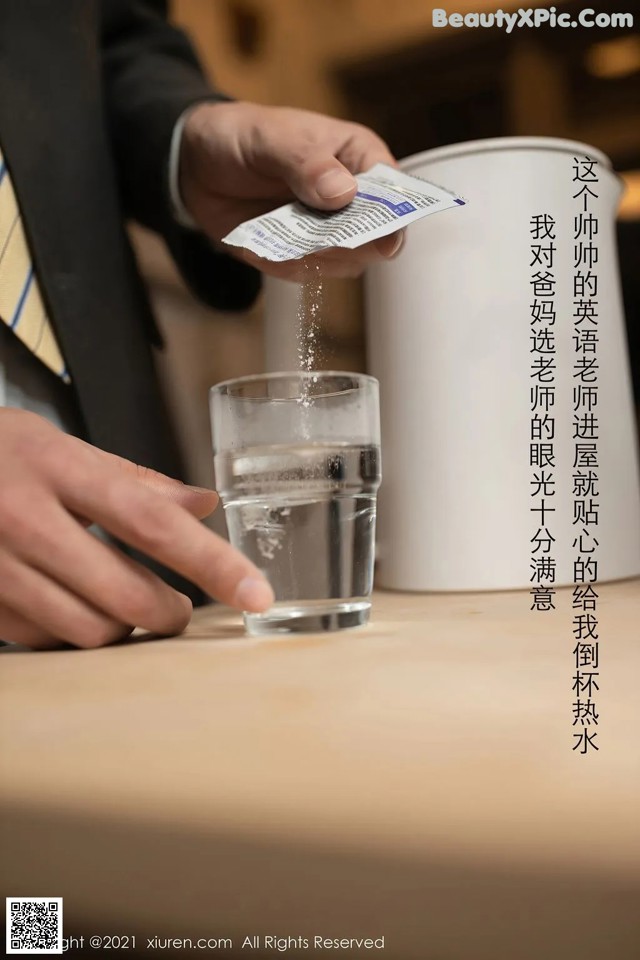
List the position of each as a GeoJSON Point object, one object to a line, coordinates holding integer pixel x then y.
{"type": "Point", "coordinates": [186, 604]}
{"type": "Point", "coordinates": [382, 245]}
{"type": "Point", "coordinates": [397, 247]}
{"type": "Point", "coordinates": [253, 595]}
{"type": "Point", "coordinates": [334, 183]}
{"type": "Point", "coordinates": [199, 489]}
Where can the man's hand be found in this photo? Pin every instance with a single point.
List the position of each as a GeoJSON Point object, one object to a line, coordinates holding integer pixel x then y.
{"type": "Point", "coordinates": [240, 160]}
{"type": "Point", "coordinates": [58, 582]}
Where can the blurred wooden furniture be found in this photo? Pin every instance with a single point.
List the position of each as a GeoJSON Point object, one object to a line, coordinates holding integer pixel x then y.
{"type": "Point", "coordinates": [413, 780]}
{"type": "Point", "coordinates": [423, 87]}
{"type": "Point", "coordinates": [385, 65]}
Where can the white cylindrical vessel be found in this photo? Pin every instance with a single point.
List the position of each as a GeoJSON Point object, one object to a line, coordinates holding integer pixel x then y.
{"type": "Point", "coordinates": [449, 326]}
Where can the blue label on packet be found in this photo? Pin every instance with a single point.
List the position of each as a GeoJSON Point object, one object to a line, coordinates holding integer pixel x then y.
{"type": "Point", "coordinates": [400, 209]}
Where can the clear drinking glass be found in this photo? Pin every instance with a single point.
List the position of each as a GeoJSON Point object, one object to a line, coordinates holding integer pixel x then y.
{"type": "Point", "coordinates": [297, 463]}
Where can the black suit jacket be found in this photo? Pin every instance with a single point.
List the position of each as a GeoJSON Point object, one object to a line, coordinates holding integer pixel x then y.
{"type": "Point", "coordinates": [89, 95]}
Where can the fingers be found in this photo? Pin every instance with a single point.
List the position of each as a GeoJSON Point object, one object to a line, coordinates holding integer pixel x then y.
{"type": "Point", "coordinates": [102, 576]}
{"type": "Point", "coordinates": [317, 157]}
{"type": "Point", "coordinates": [313, 175]}
{"type": "Point", "coordinates": [39, 611]}
{"type": "Point", "coordinates": [197, 500]}
{"type": "Point", "coordinates": [390, 246]}
{"type": "Point", "coordinates": [17, 629]}
{"type": "Point", "coordinates": [325, 180]}
{"type": "Point", "coordinates": [88, 486]}
{"type": "Point", "coordinates": [363, 150]}
{"type": "Point", "coordinates": [59, 583]}
{"type": "Point", "coordinates": [163, 530]}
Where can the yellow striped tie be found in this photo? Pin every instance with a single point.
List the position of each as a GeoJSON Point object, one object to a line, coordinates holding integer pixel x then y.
{"type": "Point", "coordinates": [21, 306]}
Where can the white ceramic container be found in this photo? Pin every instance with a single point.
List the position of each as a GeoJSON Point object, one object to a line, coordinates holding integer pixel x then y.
{"type": "Point", "coordinates": [448, 326]}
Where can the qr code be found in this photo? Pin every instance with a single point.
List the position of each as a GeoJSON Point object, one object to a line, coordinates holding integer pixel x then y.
{"type": "Point", "coordinates": [34, 925]}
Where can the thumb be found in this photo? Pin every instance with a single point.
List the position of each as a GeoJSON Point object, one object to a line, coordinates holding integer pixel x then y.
{"type": "Point", "coordinates": [318, 179]}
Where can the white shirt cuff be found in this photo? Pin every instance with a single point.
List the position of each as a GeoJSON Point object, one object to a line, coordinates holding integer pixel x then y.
{"type": "Point", "coordinates": [180, 212]}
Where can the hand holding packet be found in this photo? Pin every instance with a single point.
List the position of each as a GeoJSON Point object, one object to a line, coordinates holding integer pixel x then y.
{"type": "Point", "coordinates": [387, 200]}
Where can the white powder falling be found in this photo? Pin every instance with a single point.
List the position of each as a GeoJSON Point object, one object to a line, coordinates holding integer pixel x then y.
{"type": "Point", "coordinates": [308, 326]}
{"type": "Point", "coordinates": [308, 316]}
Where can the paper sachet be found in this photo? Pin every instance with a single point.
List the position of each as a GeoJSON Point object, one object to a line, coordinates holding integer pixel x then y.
{"type": "Point", "coordinates": [387, 200]}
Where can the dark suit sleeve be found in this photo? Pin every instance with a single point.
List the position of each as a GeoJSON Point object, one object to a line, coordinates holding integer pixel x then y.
{"type": "Point", "coordinates": [151, 75]}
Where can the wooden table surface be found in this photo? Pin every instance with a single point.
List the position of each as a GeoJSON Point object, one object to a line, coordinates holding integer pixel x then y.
{"type": "Point", "coordinates": [413, 779]}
